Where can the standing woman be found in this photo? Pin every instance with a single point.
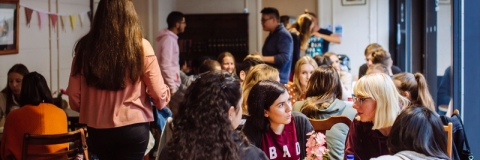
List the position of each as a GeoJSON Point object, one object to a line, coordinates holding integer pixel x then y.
{"type": "Point", "coordinates": [10, 95]}
{"type": "Point", "coordinates": [227, 61]}
{"type": "Point", "coordinates": [303, 70]}
{"type": "Point", "coordinates": [114, 74]}
{"type": "Point", "coordinates": [272, 126]}
{"type": "Point", "coordinates": [378, 104]}
{"type": "Point", "coordinates": [303, 27]}
{"type": "Point", "coordinates": [415, 88]}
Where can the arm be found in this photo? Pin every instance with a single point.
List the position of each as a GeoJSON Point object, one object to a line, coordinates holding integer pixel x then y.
{"type": "Point", "coordinates": [164, 51]}
{"type": "Point", "coordinates": [152, 77]}
{"type": "Point", "coordinates": [74, 89]}
{"type": "Point", "coordinates": [285, 50]}
{"type": "Point", "coordinates": [331, 38]}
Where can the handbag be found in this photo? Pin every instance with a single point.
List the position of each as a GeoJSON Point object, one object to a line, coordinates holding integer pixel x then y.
{"type": "Point", "coordinates": [84, 144]}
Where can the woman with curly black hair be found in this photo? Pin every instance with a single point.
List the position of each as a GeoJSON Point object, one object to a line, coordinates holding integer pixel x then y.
{"type": "Point", "coordinates": [205, 125]}
{"type": "Point", "coordinates": [272, 126]}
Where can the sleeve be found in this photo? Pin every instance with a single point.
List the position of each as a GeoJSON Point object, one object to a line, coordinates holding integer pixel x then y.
{"type": "Point", "coordinates": [3, 106]}
{"type": "Point", "coordinates": [353, 139]}
{"type": "Point", "coordinates": [347, 81]}
{"type": "Point", "coordinates": [285, 50]}
{"type": "Point", "coordinates": [156, 88]}
{"type": "Point", "coordinates": [164, 50]}
{"type": "Point", "coordinates": [303, 126]}
{"type": "Point", "coordinates": [336, 140]}
{"type": "Point", "coordinates": [74, 89]}
{"type": "Point", "coordinates": [296, 49]}
{"type": "Point", "coordinates": [324, 31]}
{"type": "Point", "coordinates": [443, 92]}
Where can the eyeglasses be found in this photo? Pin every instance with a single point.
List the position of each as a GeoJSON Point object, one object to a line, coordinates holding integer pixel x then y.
{"type": "Point", "coordinates": [360, 99]}
{"type": "Point", "coordinates": [264, 20]}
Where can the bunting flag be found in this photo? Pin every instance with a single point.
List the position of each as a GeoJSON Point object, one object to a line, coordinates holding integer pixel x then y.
{"type": "Point", "coordinates": [80, 20]}
{"type": "Point", "coordinates": [54, 19]}
{"type": "Point", "coordinates": [73, 21]}
{"type": "Point", "coordinates": [28, 14]}
{"type": "Point", "coordinates": [41, 18]}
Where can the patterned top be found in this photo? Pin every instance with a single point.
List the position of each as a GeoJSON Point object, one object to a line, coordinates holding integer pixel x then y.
{"type": "Point", "coordinates": [293, 95]}
{"type": "Point", "coordinates": [314, 46]}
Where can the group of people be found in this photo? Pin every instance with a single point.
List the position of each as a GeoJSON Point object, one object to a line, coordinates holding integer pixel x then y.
{"type": "Point", "coordinates": [118, 80]}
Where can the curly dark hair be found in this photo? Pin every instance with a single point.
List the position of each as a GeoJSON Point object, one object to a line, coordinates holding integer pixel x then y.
{"type": "Point", "coordinates": [261, 97]}
{"type": "Point", "coordinates": [202, 128]}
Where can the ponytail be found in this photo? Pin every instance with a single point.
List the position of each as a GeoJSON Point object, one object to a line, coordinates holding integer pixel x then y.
{"type": "Point", "coordinates": [424, 96]}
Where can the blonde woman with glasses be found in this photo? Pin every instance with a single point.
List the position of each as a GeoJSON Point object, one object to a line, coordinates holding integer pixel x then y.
{"type": "Point", "coordinates": [378, 103]}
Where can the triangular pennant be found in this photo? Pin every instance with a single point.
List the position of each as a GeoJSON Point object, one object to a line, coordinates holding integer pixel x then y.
{"type": "Point", "coordinates": [28, 14]}
{"type": "Point", "coordinates": [54, 19]}
{"type": "Point", "coordinates": [41, 18]}
{"type": "Point", "coordinates": [80, 20]}
{"type": "Point", "coordinates": [63, 20]}
{"type": "Point", "coordinates": [73, 21]}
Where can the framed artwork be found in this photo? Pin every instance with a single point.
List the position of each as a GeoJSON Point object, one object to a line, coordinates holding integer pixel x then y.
{"type": "Point", "coordinates": [9, 26]}
{"type": "Point", "coordinates": [353, 2]}
{"type": "Point", "coordinates": [444, 1]}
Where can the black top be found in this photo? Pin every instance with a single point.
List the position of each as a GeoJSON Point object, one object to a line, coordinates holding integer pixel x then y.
{"type": "Point", "coordinates": [363, 70]}
{"type": "Point", "coordinates": [325, 43]}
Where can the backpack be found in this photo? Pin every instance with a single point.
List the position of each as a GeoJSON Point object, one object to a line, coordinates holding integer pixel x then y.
{"type": "Point", "coordinates": [460, 147]}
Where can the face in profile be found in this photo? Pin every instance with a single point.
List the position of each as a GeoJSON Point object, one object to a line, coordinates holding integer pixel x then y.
{"type": "Point", "coordinates": [268, 22]}
{"type": "Point", "coordinates": [280, 111]}
{"type": "Point", "coordinates": [335, 62]}
{"type": "Point", "coordinates": [15, 82]}
{"type": "Point", "coordinates": [365, 107]}
{"type": "Point", "coordinates": [228, 64]}
{"type": "Point", "coordinates": [182, 26]}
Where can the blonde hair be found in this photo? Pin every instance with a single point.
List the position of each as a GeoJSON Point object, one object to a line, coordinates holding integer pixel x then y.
{"type": "Point", "coordinates": [418, 88]}
{"type": "Point", "coordinates": [298, 67]}
{"type": "Point", "coordinates": [302, 26]}
{"type": "Point", "coordinates": [372, 48]}
{"type": "Point", "coordinates": [256, 74]}
{"type": "Point", "coordinates": [380, 88]}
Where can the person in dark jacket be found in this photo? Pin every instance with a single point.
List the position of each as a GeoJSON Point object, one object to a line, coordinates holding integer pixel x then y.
{"type": "Point", "coordinates": [272, 126]}
{"type": "Point", "coordinates": [205, 125]}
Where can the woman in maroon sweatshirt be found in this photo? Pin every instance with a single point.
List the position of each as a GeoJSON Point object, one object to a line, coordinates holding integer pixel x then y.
{"type": "Point", "coordinates": [378, 103]}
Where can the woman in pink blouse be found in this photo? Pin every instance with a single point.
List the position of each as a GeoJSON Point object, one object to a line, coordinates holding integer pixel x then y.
{"type": "Point", "coordinates": [114, 74]}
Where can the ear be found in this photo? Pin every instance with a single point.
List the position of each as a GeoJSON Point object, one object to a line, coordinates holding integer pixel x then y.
{"type": "Point", "coordinates": [231, 113]}
{"type": "Point", "coordinates": [242, 75]}
{"type": "Point", "coordinates": [177, 25]}
{"type": "Point", "coordinates": [265, 113]}
{"type": "Point", "coordinates": [406, 94]}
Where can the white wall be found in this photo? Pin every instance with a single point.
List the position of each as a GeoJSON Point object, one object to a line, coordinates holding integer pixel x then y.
{"type": "Point", "coordinates": [362, 25]}
{"type": "Point", "coordinates": [153, 16]}
{"type": "Point", "coordinates": [444, 37]}
{"type": "Point", "coordinates": [46, 50]}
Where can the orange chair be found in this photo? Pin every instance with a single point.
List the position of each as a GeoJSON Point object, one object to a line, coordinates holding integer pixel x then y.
{"type": "Point", "coordinates": [449, 130]}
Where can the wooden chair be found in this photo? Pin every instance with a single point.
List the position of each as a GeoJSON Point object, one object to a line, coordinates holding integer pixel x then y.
{"type": "Point", "coordinates": [449, 130]}
{"type": "Point", "coordinates": [326, 124]}
{"type": "Point", "coordinates": [71, 153]}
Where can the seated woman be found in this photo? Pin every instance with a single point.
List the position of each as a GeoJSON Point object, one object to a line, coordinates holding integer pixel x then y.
{"type": "Point", "coordinates": [378, 103]}
{"type": "Point", "coordinates": [417, 133]}
{"type": "Point", "coordinates": [36, 116]}
{"type": "Point", "coordinates": [205, 125]}
{"type": "Point", "coordinates": [415, 88]}
{"type": "Point", "coordinates": [256, 74]}
{"type": "Point", "coordinates": [10, 95]}
{"type": "Point", "coordinates": [323, 100]}
{"type": "Point", "coordinates": [272, 126]}
{"type": "Point", "coordinates": [227, 61]}
{"type": "Point", "coordinates": [345, 77]}
{"type": "Point", "coordinates": [303, 70]}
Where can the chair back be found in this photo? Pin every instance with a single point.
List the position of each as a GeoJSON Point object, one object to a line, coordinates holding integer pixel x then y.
{"type": "Point", "coordinates": [449, 130]}
{"type": "Point", "coordinates": [326, 124]}
{"type": "Point", "coordinates": [74, 137]}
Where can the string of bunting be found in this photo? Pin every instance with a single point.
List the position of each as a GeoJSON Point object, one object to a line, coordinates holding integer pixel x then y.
{"type": "Point", "coordinates": [55, 17]}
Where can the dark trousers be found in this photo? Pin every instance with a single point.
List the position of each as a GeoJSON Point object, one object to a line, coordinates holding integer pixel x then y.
{"type": "Point", "coordinates": [127, 142]}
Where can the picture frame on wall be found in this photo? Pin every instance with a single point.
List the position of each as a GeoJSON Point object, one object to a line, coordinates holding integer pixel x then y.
{"type": "Point", "coordinates": [9, 26]}
{"type": "Point", "coordinates": [353, 2]}
{"type": "Point", "coordinates": [444, 1]}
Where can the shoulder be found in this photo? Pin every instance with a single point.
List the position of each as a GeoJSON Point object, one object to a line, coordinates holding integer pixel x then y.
{"type": "Point", "coordinates": [299, 117]}
{"type": "Point", "coordinates": [396, 69]}
{"type": "Point", "coordinates": [147, 48]}
{"type": "Point", "coordinates": [298, 105]}
{"type": "Point", "coordinates": [324, 31]}
{"type": "Point", "coordinates": [252, 152]}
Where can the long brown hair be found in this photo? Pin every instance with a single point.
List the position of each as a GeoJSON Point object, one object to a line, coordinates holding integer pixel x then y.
{"type": "Point", "coordinates": [111, 54]}
{"type": "Point", "coordinates": [323, 88]}
{"type": "Point", "coordinates": [302, 26]}
{"type": "Point", "coordinates": [7, 91]}
{"type": "Point", "coordinates": [418, 88]}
